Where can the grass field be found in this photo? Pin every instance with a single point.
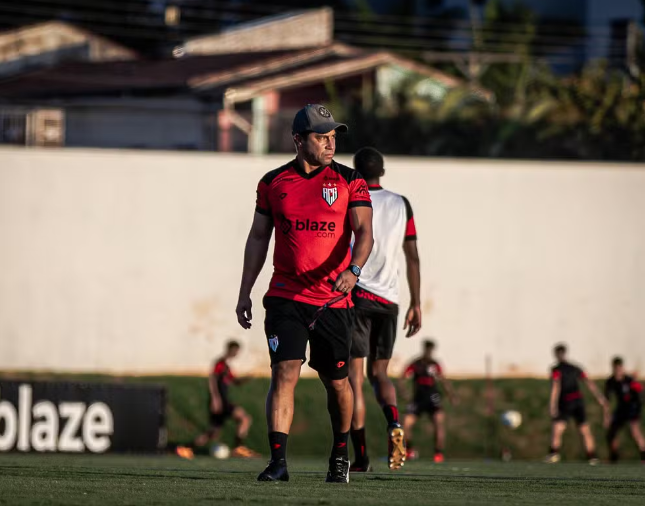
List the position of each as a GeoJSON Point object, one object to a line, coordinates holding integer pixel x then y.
{"type": "Point", "coordinates": [125, 480]}
{"type": "Point", "coordinates": [473, 433]}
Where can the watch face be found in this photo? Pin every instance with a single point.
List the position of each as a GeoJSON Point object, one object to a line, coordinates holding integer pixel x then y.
{"type": "Point", "coordinates": [356, 270]}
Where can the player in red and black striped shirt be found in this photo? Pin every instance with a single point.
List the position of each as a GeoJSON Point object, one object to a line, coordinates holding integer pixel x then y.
{"type": "Point", "coordinates": [629, 405]}
{"type": "Point", "coordinates": [314, 204]}
{"type": "Point", "coordinates": [566, 402]}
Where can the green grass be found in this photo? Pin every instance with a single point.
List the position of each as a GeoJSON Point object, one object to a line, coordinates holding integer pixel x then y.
{"type": "Point", "coordinates": [473, 431]}
{"type": "Point", "coordinates": [129, 480]}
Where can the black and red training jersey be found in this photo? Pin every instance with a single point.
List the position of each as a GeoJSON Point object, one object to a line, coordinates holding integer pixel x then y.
{"type": "Point", "coordinates": [425, 376]}
{"type": "Point", "coordinates": [569, 376]}
{"type": "Point", "coordinates": [224, 377]}
{"type": "Point", "coordinates": [310, 213]}
{"type": "Point", "coordinates": [627, 391]}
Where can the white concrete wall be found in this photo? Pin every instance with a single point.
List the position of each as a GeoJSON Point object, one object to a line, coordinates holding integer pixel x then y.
{"type": "Point", "coordinates": [137, 123]}
{"type": "Point", "coordinates": [130, 261]}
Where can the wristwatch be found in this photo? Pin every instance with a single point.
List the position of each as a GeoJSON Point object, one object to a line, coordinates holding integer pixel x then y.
{"type": "Point", "coordinates": [355, 270]}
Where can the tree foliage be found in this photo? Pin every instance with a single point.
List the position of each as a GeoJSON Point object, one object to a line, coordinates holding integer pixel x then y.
{"type": "Point", "coordinates": [596, 114]}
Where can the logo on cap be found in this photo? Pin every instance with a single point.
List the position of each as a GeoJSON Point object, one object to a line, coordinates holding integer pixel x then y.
{"type": "Point", "coordinates": [324, 112]}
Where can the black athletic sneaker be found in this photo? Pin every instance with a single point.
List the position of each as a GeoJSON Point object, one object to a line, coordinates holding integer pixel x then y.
{"type": "Point", "coordinates": [275, 471]}
{"type": "Point", "coordinates": [361, 466]}
{"type": "Point", "coordinates": [338, 470]}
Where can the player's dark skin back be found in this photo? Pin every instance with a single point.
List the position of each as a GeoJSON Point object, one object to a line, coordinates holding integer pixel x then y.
{"type": "Point", "coordinates": [570, 376]}
{"type": "Point", "coordinates": [625, 390]}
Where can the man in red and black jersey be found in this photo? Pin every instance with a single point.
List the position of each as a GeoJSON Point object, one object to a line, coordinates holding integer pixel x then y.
{"type": "Point", "coordinates": [221, 409]}
{"type": "Point", "coordinates": [566, 402]}
{"type": "Point", "coordinates": [426, 374]}
{"type": "Point", "coordinates": [314, 204]}
{"type": "Point", "coordinates": [628, 409]}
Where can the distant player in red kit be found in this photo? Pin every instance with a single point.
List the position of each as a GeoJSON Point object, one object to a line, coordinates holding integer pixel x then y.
{"type": "Point", "coordinates": [629, 404]}
{"type": "Point", "coordinates": [376, 300]}
{"type": "Point", "coordinates": [314, 204]}
{"type": "Point", "coordinates": [221, 409]}
{"type": "Point", "coordinates": [566, 402]}
{"type": "Point", "coordinates": [426, 375]}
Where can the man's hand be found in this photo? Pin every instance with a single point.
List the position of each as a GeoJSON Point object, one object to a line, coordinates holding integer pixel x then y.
{"type": "Point", "coordinates": [606, 418]}
{"type": "Point", "coordinates": [553, 411]}
{"type": "Point", "coordinates": [216, 405]}
{"type": "Point", "coordinates": [345, 282]}
{"type": "Point", "coordinates": [412, 321]}
{"type": "Point", "coordinates": [243, 311]}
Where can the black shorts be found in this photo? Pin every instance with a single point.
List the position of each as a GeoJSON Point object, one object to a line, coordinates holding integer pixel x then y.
{"type": "Point", "coordinates": [287, 330]}
{"type": "Point", "coordinates": [216, 420]}
{"type": "Point", "coordinates": [374, 334]}
{"type": "Point", "coordinates": [622, 417]}
{"type": "Point", "coordinates": [430, 404]}
{"type": "Point", "coordinates": [572, 409]}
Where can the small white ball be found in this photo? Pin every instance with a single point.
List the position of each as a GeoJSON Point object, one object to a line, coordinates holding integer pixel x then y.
{"type": "Point", "coordinates": [220, 451]}
{"type": "Point", "coordinates": [511, 419]}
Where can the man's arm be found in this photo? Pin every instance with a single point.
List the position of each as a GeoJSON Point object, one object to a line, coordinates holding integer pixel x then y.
{"type": "Point", "coordinates": [255, 254]}
{"type": "Point", "coordinates": [596, 393]}
{"type": "Point", "coordinates": [360, 219]}
{"type": "Point", "coordinates": [413, 316]}
{"type": "Point", "coordinates": [407, 372]}
{"type": "Point", "coordinates": [553, 400]}
{"type": "Point", "coordinates": [607, 391]}
{"type": "Point", "coordinates": [447, 386]}
{"type": "Point", "coordinates": [216, 398]}
{"type": "Point", "coordinates": [602, 400]}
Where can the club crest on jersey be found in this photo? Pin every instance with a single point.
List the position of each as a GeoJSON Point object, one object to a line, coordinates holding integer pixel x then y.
{"type": "Point", "coordinates": [330, 193]}
{"type": "Point", "coordinates": [273, 343]}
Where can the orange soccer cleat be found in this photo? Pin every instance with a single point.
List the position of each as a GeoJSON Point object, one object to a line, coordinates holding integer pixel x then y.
{"type": "Point", "coordinates": [242, 452]}
{"type": "Point", "coordinates": [184, 452]}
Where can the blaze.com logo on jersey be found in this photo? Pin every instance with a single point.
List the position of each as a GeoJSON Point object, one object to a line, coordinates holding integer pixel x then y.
{"type": "Point", "coordinates": [323, 229]}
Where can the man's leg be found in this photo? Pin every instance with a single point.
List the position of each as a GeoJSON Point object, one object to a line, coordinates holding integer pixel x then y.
{"type": "Point", "coordinates": [612, 439]}
{"type": "Point", "coordinates": [211, 435]}
{"type": "Point", "coordinates": [279, 413]}
{"type": "Point", "coordinates": [439, 419]}
{"type": "Point", "coordinates": [243, 422]}
{"type": "Point", "coordinates": [279, 404]}
{"type": "Point", "coordinates": [386, 397]}
{"type": "Point", "coordinates": [409, 421]}
{"type": "Point", "coordinates": [286, 331]}
{"type": "Point", "coordinates": [356, 376]}
{"type": "Point", "coordinates": [637, 434]}
{"type": "Point", "coordinates": [557, 429]}
{"type": "Point", "coordinates": [384, 389]}
{"type": "Point", "coordinates": [588, 441]}
{"type": "Point", "coordinates": [382, 341]}
{"type": "Point", "coordinates": [340, 404]}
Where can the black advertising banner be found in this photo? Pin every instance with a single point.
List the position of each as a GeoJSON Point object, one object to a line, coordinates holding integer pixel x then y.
{"type": "Point", "coordinates": [74, 417]}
